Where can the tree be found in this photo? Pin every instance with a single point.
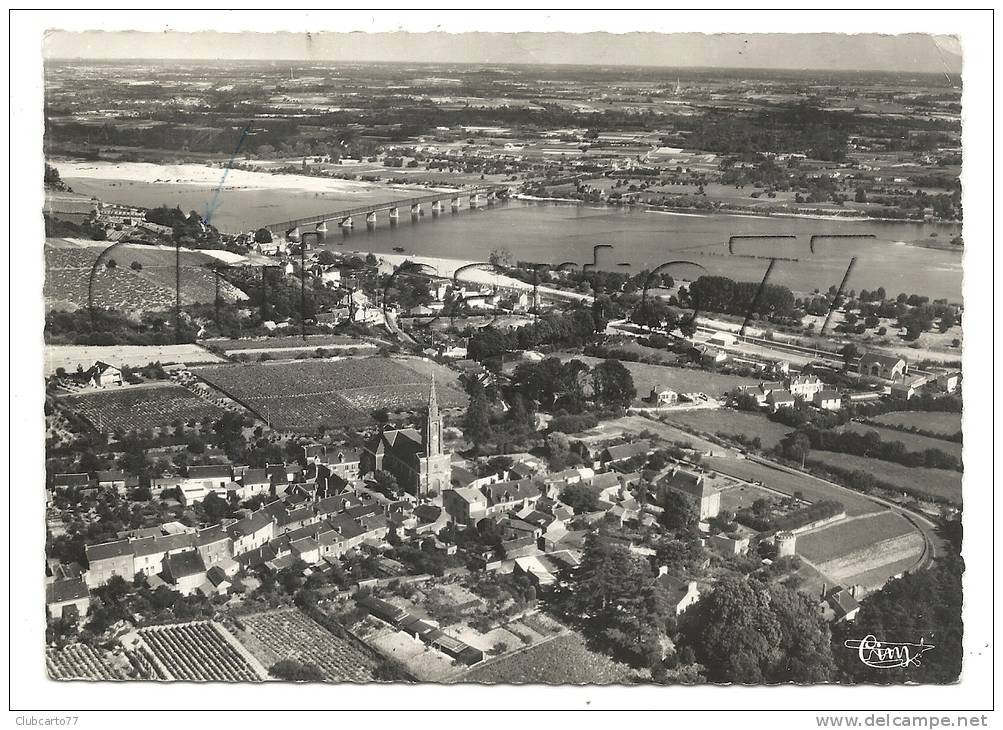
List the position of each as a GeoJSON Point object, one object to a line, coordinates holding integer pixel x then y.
{"type": "Point", "coordinates": [580, 497]}
{"type": "Point", "coordinates": [754, 633]}
{"type": "Point", "coordinates": [386, 483]}
{"type": "Point", "coordinates": [295, 671]}
{"type": "Point", "coordinates": [849, 353]}
{"type": "Point", "coordinates": [263, 235]}
{"type": "Point", "coordinates": [678, 510]}
{"type": "Point", "coordinates": [502, 258]}
{"type": "Point", "coordinates": [614, 595]}
{"type": "Point", "coordinates": [477, 419]}
{"type": "Point", "coordinates": [613, 385]}
{"type": "Point", "coordinates": [796, 446]}
{"type": "Point", "coordinates": [215, 508]}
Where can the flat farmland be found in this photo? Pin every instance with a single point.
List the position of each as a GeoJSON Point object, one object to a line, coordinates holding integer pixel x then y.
{"type": "Point", "coordinates": [681, 380]}
{"type": "Point", "coordinates": [920, 481]}
{"type": "Point", "coordinates": [141, 407]}
{"type": "Point", "coordinates": [69, 356]}
{"type": "Point", "coordinates": [288, 633]}
{"type": "Point", "coordinates": [912, 441]}
{"type": "Point", "coordinates": [303, 395]}
{"type": "Point", "coordinates": [786, 483]}
{"type": "Point", "coordinates": [946, 423]}
{"type": "Point", "coordinates": [848, 536]}
{"type": "Point", "coordinates": [730, 421]}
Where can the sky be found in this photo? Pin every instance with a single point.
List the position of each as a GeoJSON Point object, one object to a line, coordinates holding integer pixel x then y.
{"type": "Point", "coordinates": [914, 52]}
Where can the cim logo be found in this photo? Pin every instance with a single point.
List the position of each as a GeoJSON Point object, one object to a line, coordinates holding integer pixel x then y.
{"type": "Point", "coordinates": [888, 654]}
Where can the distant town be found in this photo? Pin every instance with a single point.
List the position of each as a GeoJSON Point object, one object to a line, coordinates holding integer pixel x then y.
{"type": "Point", "coordinates": [517, 375]}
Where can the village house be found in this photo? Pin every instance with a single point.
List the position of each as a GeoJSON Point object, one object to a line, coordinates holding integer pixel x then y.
{"type": "Point", "coordinates": [543, 570]}
{"type": "Point", "coordinates": [109, 559]}
{"type": "Point", "coordinates": [201, 480]}
{"type": "Point", "coordinates": [185, 571]}
{"type": "Point", "coordinates": [843, 604]}
{"type": "Point", "coordinates": [804, 386]}
{"type": "Point", "coordinates": [66, 482]}
{"type": "Point", "coordinates": [117, 480]}
{"type": "Point", "coordinates": [697, 487]}
{"type": "Point", "coordinates": [65, 597]}
{"type": "Point", "coordinates": [680, 594]}
{"type": "Point", "coordinates": [464, 505]}
{"type": "Point", "coordinates": [251, 532]}
{"type": "Point", "coordinates": [827, 400]}
{"type": "Point", "coordinates": [622, 452]}
{"type": "Point", "coordinates": [214, 545]}
{"type": "Point", "coordinates": [778, 399]}
{"type": "Point", "coordinates": [511, 496]}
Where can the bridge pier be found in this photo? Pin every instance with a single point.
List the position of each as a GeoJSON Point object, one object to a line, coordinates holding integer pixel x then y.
{"type": "Point", "coordinates": [416, 210]}
{"type": "Point", "coordinates": [371, 218]}
{"type": "Point", "coordinates": [346, 222]}
{"type": "Point", "coordinates": [321, 229]}
{"type": "Point", "coordinates": [293, 234]}
{"type": "Point", "coordinates": [474, 199]}
{"type": "Point", "coordinates": [455, 203]}
{"type": "Point", "coordinates": [490, 198]}
{"type": "Point", "coordinates": [437, 206]}
{"type": "Point", "coordinates": [394, 213]}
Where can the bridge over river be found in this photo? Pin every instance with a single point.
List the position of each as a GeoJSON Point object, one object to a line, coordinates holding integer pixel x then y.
{"type": "Point", "coordinates": [294, 229]}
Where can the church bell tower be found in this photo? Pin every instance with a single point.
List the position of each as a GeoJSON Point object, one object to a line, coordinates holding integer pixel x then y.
{"type": "Point", "coordinates": [433, 425]}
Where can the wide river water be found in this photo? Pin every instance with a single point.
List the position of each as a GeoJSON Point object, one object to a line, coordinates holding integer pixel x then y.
{"type": "Point", "coordinates": [557, 232]}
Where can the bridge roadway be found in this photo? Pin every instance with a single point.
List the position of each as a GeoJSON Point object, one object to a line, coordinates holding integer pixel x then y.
{"type": "Point", "coordinates": [491, 191]}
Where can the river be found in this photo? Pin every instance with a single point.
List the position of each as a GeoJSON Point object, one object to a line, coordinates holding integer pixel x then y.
{"type": "Point", "coordinates": [557, 232]}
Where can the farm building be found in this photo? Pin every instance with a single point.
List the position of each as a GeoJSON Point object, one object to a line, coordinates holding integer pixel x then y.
{"type": "Point", "coordinates": [103, 375]}
{"type": "Point", "coordinates": [888, 367]}
{"type": "Point", "coordinates": [662, 396]}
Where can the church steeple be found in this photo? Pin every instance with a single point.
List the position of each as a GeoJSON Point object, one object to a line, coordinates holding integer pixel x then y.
{"type": "Point", "coordinates": [433, 424]}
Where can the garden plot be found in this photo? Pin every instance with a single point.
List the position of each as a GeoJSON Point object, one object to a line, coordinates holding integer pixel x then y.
{"type": "Point", "coordinates": [141, 407]}
{"type": "Point", "coordinates": [201, 651]}
{"type": "Point", "coordinates": [288, 633]}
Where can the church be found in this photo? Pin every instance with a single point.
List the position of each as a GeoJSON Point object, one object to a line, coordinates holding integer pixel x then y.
{"type": "Point", "coordinates": [415, 458]}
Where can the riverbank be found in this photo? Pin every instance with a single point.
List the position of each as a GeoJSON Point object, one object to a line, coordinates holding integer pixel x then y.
{"type": "Point", "coordinates": [210, 177]}
{"type": "Point", "coordinates": [447, 267]}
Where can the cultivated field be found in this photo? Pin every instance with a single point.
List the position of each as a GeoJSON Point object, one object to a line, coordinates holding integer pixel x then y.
{"type": "Point", "coordinates": [732, 422]}
{"type": "Point", "coordinates": [781, 481]}
{"type": "Point", "coordinates": [847, 536]}
{"type": "Point", "coordinates": [919, 481]}
{"type": "Point", "coordinates": [303, 395]}
{"type": "Point", "coordinates": [287, 633]}
{"type": "Point", "coordinates": [201, 651]}
{"type": "Point", "coordinates": [681, 380]}
{"type": "Point", "coordinates": [912, 441]}
{"type": "Point", "coordinates": [80, 661]}
{"type": "Point", "coordinates": [946, 423]}
{"type": "Point", "coordinates": [124, 288]}
{"type": "Point", "coordinates": [141, 407]}
{"type": "Point", "coordinates": [866, 552]}
{"type": "Point", "coordinates": [69, 356]}
{"type": "Point", "coordinates": [563, 660]}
